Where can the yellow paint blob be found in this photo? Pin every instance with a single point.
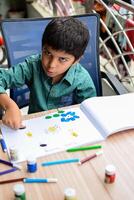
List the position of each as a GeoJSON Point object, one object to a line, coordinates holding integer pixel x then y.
{"type": "Point", "coordinates": [29, 134]}
{"type": "Point", "coordinates": [75, 134]}
{"type": "Point", "coordinates": [52, 129]}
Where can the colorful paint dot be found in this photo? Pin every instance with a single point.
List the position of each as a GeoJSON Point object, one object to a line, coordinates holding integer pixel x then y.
{"type": "Point", "coordinates": [64, 120]}
{"type": "Point", "coordinates": [61, 111]}
{"type": "Point", "coordinates": [52, 129]}
{"type": "Point", "coordinates": [74, 134]}
{"type": "Point", "coordinates": [56, 115]}
{"type": "Point", "coordinates": [76, 117]}
{"type": "Point", "coordinates": [48, 117]}
{"type": "Point", "coordinates": [63, 115]}
{"type": "Point", "coordinates": [29, 134]}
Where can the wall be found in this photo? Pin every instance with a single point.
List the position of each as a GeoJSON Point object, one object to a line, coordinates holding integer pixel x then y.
{"type": "Point", "coordinates": [4, 7]}
{"type": "Point", "coordinates": [6, 4]}
{"type": "Point", "coordinates": [34, 10]}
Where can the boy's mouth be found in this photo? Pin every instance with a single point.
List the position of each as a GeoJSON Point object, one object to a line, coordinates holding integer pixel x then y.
{"type": "Point", "coordinates": [50, 72]}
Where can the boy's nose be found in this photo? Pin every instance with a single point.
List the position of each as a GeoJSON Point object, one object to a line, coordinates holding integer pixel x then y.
{"type": "Point", "coordinates": [52, 63]}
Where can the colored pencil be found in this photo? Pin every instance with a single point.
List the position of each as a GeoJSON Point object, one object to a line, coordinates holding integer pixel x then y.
{"type": "Point", "coordinates": [30, 180]}
{"type": "Point", "coordinates": [10, 164]}
{"type": "Point", "coordinates": [12, 180]}
{"type": "Point", "coordinates": [60, 162]}
{"type": "Point", "coordinates": [40, 180]}
{"type": "Point", "coordinates": [82, 161]}
{"type": "Point", "coordinates": [8, 171]}
{"type": "Point", "coordinates": [6, 162]}
{"type": "Point", "coordinates": [3, 144]}
{"type": "Point", "coordinates": [84, 148]}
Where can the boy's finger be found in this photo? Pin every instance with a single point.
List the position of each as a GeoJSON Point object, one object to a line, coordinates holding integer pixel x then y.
{"type": "Point", "coordinates": [22, 126]}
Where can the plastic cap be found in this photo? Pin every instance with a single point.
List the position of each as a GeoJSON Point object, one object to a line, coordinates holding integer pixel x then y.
{"type": "Point", "coordinates": [70, 192]}
{"type": "Point", "coordinates": [19, 189]}
{"type": "Point", "coordinates": [110, 169]}
{"type": "Point", "coordinates": [31, 160]}
{"type": "Point", "coordinates": [13, 148]}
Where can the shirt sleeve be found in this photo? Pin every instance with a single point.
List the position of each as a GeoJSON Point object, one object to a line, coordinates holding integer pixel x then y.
{"type": "Point", "coordinates": [15, 76]}
{"type": "Point", "coordinates": [85, 88]}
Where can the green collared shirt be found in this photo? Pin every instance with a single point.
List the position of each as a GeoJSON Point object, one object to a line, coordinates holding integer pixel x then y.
{"type": "Point", "coordinates": [74, 87]}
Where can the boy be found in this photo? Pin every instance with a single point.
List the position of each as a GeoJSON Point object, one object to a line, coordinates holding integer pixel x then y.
{"type": "Point", "coordinates": [55, 78]}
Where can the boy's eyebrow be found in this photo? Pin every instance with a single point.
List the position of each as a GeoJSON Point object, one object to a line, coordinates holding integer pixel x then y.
{"type": "Point", "coordinates": [45, 48]}
{"type": "Point", "coordinates": [65, 57]}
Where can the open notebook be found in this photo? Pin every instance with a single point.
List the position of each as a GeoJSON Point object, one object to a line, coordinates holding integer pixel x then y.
{"type": "Point", "coordinates": [110, 114]}
{"type": "Point", "coordinates": [92, 122]}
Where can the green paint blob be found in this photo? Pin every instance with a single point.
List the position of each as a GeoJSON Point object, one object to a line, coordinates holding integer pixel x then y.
{"type": "Point", "coordinates": [61, 111]}
{"type": "Point", "coordinates": [48, 117]}
{"type": "Point", "coordinates": [56, 115]}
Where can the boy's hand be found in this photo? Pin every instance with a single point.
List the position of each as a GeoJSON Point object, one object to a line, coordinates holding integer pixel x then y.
{"type": "Point", "coordinates": [12, 117]}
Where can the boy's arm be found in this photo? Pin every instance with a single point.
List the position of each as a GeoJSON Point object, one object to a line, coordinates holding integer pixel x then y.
{"type": "Point", "coordinates": [14, 77]}
{"type": "Point", "coordinates": [12, 116]}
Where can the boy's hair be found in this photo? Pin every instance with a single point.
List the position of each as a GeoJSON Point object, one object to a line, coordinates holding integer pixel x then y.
{"type": "Point", "coordinates": [66, 34]}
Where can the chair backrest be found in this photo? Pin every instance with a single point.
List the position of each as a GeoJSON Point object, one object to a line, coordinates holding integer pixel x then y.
{"type": "Point", "coordinates": [23, 38]}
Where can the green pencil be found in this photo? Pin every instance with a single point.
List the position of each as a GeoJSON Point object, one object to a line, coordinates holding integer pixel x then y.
{"type": "Point", "coordinates": [84, 148]}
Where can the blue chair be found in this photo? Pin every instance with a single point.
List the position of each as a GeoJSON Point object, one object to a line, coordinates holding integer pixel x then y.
{"type": "Point", "coordinates": [23, 38]}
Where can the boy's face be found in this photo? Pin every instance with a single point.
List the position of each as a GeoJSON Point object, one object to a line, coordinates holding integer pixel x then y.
{"type": "Point", "coordinates": [56, 63]}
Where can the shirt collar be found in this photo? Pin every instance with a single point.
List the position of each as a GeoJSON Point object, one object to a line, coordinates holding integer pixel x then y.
{"type": "Point", "coordinates": [69, 76]}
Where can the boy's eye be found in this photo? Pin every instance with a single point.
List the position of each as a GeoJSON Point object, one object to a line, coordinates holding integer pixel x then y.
{"type": "Point", "coordinates": [63, 59]}
{"type": "Point", "coordinates": [46, 52]}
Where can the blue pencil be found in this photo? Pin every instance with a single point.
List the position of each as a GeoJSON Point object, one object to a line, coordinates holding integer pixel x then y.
{"type": "Point", "coordinates": [10, 164]}
{"type": "Point", "coordinates": [8, 171]}
{"type": "Point", "coordinates": [3, 144]}
{"type": "Point", "coordinates": [60, 162]}
{"type": "Point", "coordinates": [40, 180]}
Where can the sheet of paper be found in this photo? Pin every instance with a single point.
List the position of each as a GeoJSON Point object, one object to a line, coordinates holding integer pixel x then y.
{"type": "Point", "coordinates": [59, 133]}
